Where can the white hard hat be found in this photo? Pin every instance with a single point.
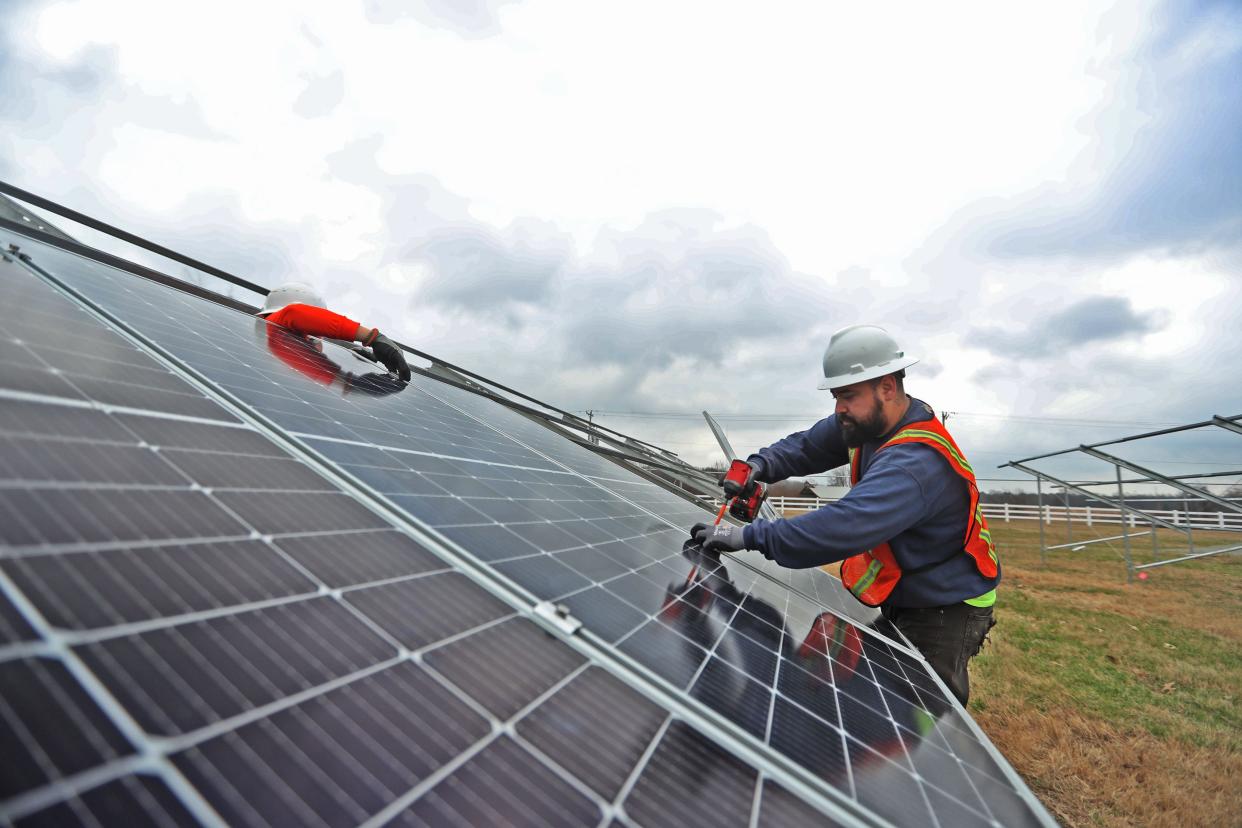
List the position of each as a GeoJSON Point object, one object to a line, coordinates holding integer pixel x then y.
{"type": "Point", "coordinates": [859, 353]}
{"type": "Point", "coordinates": [291, 293]}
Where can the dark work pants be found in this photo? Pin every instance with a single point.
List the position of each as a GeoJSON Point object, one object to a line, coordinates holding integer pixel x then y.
{"type": "Point", "coordinates": [948, 637]}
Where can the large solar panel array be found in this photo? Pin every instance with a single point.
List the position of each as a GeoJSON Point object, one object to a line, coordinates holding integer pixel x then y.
{"type": "Point", "coordinates": [274, 585]}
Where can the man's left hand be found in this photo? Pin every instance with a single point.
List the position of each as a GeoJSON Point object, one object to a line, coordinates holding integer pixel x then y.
{"type": "Point", "coordinates": [721, 537]}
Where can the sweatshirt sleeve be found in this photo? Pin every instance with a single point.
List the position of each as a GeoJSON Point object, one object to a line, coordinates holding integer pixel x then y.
{"type": "Point", "coordinates": [311, 321]}
{"type": "Point", "coordinates": [887, 501]}
{"type": "Point", "coordinates": [817, 449]}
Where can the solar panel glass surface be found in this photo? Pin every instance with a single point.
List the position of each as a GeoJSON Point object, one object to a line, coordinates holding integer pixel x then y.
{"type": "Point", "coordinates": [322, 675]}
{"type": "Point", "coordinates": [783, 663]}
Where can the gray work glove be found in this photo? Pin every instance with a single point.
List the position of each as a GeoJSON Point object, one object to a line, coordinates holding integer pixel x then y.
{"type": "Point", "coordinates": [387, 352]}
{"type": "Point", "coordinates": [721, 537]}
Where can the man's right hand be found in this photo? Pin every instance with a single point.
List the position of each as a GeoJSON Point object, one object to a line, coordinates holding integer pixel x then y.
{"type": "Point", "coordinates": [733, 487]}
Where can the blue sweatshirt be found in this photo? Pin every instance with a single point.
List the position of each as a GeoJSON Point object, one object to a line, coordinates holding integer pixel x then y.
{"type": "Point", "coordinates": [907, 495]}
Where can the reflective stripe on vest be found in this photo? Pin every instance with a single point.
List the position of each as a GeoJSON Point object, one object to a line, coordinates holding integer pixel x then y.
{"type": "Point", "coordinates": [871, 576]}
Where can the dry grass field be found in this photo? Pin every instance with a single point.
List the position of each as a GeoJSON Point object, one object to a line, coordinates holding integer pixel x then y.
{"type": "Point", "coordinates": [1118, 703]}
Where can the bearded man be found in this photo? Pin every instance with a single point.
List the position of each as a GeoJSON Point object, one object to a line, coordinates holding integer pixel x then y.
{"type": "Point", "coordinates": [910, 533]}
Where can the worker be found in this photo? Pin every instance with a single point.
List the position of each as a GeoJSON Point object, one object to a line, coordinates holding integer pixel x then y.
{"type": "Point", "coordinates": [910, 533]}
{"type": "Point", "coordinates": [298, 308]}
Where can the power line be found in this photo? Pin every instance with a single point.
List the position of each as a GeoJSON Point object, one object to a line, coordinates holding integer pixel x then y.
{"type": "Point", "coordinates": [773, 417]}
{"type": "Point", "coordinates": [1068, 420]}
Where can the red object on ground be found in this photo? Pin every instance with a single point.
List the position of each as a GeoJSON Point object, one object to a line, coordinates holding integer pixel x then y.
{"type": "Point", "coordinates": [311, 321]}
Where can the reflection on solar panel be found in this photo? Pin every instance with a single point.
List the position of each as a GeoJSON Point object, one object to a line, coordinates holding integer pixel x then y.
{"type": "Point", "coordinates": [248, 580]}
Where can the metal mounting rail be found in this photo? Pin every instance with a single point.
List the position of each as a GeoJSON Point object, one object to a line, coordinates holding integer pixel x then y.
{"type": "Point", "coordinates": [1191, 557]}
{"type": "Point", "coordinates": [94, 254]}
{"type": "Point", "coordinates": [137, 241]}
{"type": "Point", "coordinates": [1090, 541]}
{"type": "Point", "coordinates": [89, 252]}
{"type": "Point", "coordinates": [1168, 481]}
{"type": "Point", "coordinates": [1230, 423]}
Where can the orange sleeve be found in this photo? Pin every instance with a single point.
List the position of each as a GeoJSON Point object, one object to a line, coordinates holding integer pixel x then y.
{"type": "Point", "coordinates": [311, 321]}
{"type": "Point", "coordinates": [299, 355]}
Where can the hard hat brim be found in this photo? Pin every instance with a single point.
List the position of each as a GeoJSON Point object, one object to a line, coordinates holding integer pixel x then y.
{"type": "Point", "coordinates": [265, 312]}
{"type": "Point", "coordinates": [890, 367]}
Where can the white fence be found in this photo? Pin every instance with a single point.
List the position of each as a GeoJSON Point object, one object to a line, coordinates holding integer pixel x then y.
{"type": "Point", "coordinates": [1088, 515]}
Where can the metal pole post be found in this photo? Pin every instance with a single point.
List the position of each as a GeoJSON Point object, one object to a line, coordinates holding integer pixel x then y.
{"type": "Point", "coordinates": [1125, 535]}
{"type": "Point", "coordinates": [1190, 532]}
{"type": "Point", "coordinates": [1069, 524]}
{"type": "Point", "coordinates": [1039, 497]}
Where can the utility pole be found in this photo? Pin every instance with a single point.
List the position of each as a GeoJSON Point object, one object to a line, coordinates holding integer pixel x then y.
{"type": "Point", "coordinates": [591, 427]}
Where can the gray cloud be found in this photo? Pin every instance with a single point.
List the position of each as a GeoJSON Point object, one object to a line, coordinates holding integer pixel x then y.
{"type": "Point", "coordinates": [1177, 186]}
{"type": "Point", "coordinates": [677, 290]}
{"type": "Point", "coordinates": [321, 95]}
{"type": "Point", "coordinates": [83, 98]}
{"type": "Point", "coordinates": [472, 267]}
{"type": "Point", "coordinates": [413, 203]}
{"type": "Point", "coordinates": [1125, 385]}
{"type": "Point", "coordinates": [468, 18]}
{"type": "Point", "coordinates": [1095, 319]}
{"type": "Point", "coordinates": [476, 269]}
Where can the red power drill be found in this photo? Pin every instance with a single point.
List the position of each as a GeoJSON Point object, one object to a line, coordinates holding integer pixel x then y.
{"type": "Point", "coordinates": [749, 493]}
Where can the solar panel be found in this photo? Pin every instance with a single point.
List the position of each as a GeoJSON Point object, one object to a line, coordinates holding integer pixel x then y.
{"type": "Point", "coordinates": [842, 714]}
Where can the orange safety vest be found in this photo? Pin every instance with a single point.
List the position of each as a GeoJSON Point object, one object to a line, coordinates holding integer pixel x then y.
{"type": "Point", "coordinates": [871, 576]}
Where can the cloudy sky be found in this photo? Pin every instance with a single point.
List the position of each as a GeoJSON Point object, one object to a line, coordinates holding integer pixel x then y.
{"type": "Point", "coordinates": [662, 207]}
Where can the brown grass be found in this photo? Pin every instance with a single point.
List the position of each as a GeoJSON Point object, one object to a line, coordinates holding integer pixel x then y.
{"type": "Point", "coordinates": [1118, 703]}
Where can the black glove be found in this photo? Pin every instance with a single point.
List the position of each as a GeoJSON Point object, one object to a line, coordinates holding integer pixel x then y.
{"type": "Point", "coordinates": [732, 488]}
{"type": "Point", "coordinates": [376, 385]}
{"type": "Point", "coordinates": [389, 354]}
{"type": "Point", "coordinates": [721, 537]}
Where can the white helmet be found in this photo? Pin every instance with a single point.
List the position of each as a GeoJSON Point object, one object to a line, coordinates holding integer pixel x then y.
{"type": "Point", "coordinates": [861, 352]}
{"type": "Point", "coordinates": [291, 293]}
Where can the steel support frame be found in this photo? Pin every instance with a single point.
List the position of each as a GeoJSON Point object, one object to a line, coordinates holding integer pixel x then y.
{"type": "Point", "coordinates": [1157, 476]}
{"type": "Point", "coordinates": [1126, 511]}
{"type": "Point", "coordinates": [1095, 496]}
{"type": "Point", "coordinates": [1228, 423]}
{"type": "Point", "coordinates": [1119, 504]}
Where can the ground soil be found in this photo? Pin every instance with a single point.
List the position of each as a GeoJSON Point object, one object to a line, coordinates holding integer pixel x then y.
{"type": "Point", "coordinates": [1117, 700]}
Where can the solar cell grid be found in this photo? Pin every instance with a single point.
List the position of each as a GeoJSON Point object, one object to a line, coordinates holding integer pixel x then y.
{"type": "Point", "coordinates": [48, 327]}
{"type": "Point", "coordinates": [349, 559]}
{"type": "Point", "coordinates": [498, 785]}
{"type": "Point", "coordinates": [587, 533]}
{"type": "Point", "coordinates": [339, 757]}
{"type": "Point", "coordinates": [112, 587]}
{"type": "Point", "coordinates": [685, 761]}
{"type": "Point", "coordinates": [51, 728]}
{"type": "Point", "coordinates": [136, 801]}
{"type": "Point", "coordinates": [200, 679]}
{"type": "Point", "coordinates": [180, 678]}
{"type": "Point", "coordinates": [13, 627]}
{"type": "Point", "coordinates": [596, 725]}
